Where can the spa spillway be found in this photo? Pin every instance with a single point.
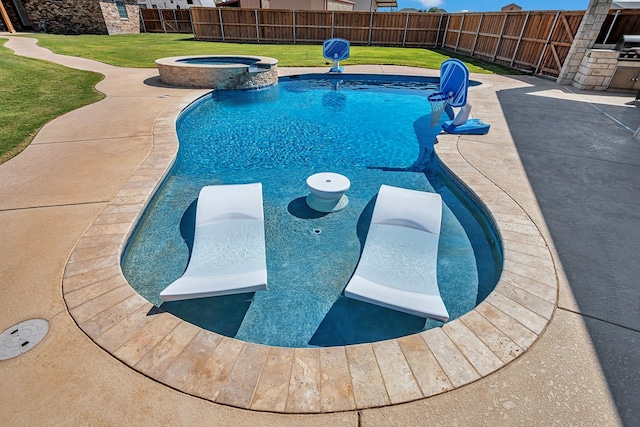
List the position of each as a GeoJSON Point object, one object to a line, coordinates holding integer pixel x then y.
{"type": "Point", "coordinates": [222, 72]}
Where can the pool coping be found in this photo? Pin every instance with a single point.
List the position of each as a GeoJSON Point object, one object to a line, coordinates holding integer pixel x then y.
{"type": "Point", "coordinates": [307, 380]}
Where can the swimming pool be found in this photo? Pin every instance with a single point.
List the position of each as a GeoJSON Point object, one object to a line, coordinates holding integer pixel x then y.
{"type": "Point", "coordinates": [375, 131]}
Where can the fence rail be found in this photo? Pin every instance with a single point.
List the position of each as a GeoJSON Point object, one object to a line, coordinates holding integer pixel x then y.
{"type": "Point", "coordinates": [536, 41]}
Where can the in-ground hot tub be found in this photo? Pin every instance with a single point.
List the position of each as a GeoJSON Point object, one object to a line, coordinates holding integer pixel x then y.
{"type": "Point", "coordinates": [221, 72]}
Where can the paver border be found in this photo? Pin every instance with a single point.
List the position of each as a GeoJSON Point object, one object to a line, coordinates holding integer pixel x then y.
{"type": "Point", "coordinates": [307, 380]}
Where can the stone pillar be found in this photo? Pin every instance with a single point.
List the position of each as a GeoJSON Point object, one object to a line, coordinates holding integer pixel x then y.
{"type": "Point", "coordinates": [585, 38]}
{"type": "Point", "coordinates": [117, 25]}
{"type": "Point", "coordinates": [596, 70]}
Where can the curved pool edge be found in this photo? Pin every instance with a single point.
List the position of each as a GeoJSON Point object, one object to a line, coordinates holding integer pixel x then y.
{"type": "Point", "coordinates": [310, 380]}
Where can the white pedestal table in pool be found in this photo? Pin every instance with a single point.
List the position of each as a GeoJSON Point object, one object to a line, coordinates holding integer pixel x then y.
{"type": "Point", "coordinates": [327, 191]}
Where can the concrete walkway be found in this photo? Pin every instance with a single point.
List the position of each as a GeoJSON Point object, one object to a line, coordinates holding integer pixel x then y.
{"type": "Point", "coordinates": [566, 157]}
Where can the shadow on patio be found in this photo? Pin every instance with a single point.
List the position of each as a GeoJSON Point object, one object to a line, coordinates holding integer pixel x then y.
{"type": "Point", "coordinates": [584, 168]}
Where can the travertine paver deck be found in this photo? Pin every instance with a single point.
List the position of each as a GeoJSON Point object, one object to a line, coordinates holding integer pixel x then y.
{"type": "Point", "coordinates": [253, 376]}
{"type": "Point", "coordinates": [579, 372]}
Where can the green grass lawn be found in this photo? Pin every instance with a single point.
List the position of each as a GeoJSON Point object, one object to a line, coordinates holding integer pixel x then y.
{"type": "Point", "coordinates": [33, 92]}
{"type": "Point", "coordinates": [141, 50]}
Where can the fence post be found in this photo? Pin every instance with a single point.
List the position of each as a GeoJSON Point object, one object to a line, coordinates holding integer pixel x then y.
{"type": "Point", "coordinates": [143, 26]}
{"type": "Point", "coordinates": [257, 27]}
{"type": "Point", "coordinates": [438, 33]}
{"type": "Point", "coordinates": [446, 28]}
{"type": "Point", "coordinates": [546, 45]}
{"type": "Point", "coordinates": [294, 25]}
{"type": "Point", "coordinates": [504, 24]}
{"type": "Point", "coordinates": [193, 30]}
{"type": "Point", "coordinates": [515, 52]}
{"type": "Point", "coordinates": [473, 49]}
{"type": "Point", "coordinates": [370, 26]}
{"type": "Point", "coordinates": [459, 33]}
{"type": "Point", "coordinates": [221, 26]}
{"type": "Point", "coordinates": [175, 19]}
{"type": "Point", "coordinates": [160, 15]}
{"type": "Point", "coordinates": [613, 22]}
{"type": "Point", "coordinates": [406, 23]}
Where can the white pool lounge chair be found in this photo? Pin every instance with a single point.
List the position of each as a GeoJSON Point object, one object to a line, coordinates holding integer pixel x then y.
{"type": "Point", "coordinates": [397, 268]}
{"type": "Point", "coordinates": [228, 255]}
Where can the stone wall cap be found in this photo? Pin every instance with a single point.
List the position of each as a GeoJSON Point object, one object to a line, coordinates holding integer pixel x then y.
{"type": "Point", "coordinates": [218, 61]}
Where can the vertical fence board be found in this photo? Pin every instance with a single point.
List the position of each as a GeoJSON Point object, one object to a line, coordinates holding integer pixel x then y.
{"type": "Point", "coordinates": [454, 30]}
{"type": "Point", "coordinates": [488, 36]}
{"type": "Point", "coordinates": [388, 29]}
{"type": "Point", "coordinates": [422, 29]}
{"type": "Point", "coordinates": [353, 26]}
{"type": "Point", "coordinates": [239, 24]}
{"type": "Point", "coordinates": [276, 26]}
{"type": "Point", "coordinates": [206, 24]}
{"type": "Point", "coordinates": [312, 26]}
{"type": "Point", "coordinates": [151, 18]}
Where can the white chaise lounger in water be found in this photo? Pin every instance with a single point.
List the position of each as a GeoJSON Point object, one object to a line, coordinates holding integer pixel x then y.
{"type": "Point", "coordinates": [228, 255]}
{"type": "Point", "coordinates": [397, 268]}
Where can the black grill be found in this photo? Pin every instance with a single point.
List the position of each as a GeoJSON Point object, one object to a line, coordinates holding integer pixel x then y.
{"type": "Point", "coordinates": [629, 48]}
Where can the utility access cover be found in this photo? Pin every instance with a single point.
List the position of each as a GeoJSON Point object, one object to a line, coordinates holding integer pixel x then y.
{"type": "Point", "coordinates": [22, 337]}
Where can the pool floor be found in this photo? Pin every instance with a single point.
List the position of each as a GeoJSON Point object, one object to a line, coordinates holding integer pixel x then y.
{"type": "Point", "coordinates": [310, 256]}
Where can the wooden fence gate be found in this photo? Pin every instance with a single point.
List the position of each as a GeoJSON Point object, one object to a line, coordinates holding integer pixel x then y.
{"type": "Point", "coordinates": [166, 20]}
{"type": "Point", "coordinates": [534, 41]}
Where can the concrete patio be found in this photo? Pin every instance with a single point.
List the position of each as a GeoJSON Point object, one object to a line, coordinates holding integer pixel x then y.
{"type": "Point", "coordinates": [565, 157]}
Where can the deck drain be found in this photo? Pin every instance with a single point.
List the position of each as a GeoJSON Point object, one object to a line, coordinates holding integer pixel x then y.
{"type": "Point", "coordinates": [22, 337]}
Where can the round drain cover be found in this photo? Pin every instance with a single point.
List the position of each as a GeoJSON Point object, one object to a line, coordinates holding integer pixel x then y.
{"type": "Point", "coordinates": [22, 337]}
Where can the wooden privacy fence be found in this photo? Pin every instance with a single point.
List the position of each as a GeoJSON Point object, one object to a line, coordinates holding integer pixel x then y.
{"type": "Point", "coordinates": [305, 26]}
{"type": "Point", "coordinates": [166, 20]}
{"type": "Point", "coordinates": [533, 41]}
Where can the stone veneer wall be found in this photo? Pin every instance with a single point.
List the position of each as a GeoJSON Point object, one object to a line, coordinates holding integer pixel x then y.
{"type": "Point", "coordinates": [587, 34]}
{"type": "Point", "coordinates": [216, 77]}
{"type": "Point", "coordinates": [3, 27]}
{"type": "Point", "coordinates": [82, 16]}
{"type": "Point", "coordinates": [596, 69]}
{"type": "Point", "coordinates": [117, 25]}
{"type": "Point", "coordinates": [66, 16]}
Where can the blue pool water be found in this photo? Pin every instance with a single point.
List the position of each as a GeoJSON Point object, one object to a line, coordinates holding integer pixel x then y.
{"type": "Point", "coordinates": [374, 132]}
